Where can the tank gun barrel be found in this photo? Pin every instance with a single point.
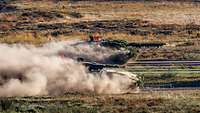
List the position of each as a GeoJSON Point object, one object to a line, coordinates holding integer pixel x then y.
{"type": "Point", "coordinates": [98, 67]}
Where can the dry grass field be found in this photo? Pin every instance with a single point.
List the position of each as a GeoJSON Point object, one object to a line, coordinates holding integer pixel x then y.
{"type": "Point", "coordinates": [145, 102]}
{"type": "Point", "coordinates": [174, 23]}
{"type": "Point", "coordinates": [152, 21]}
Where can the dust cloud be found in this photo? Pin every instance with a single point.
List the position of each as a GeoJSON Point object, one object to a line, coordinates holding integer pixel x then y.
{"type": "Point", "coordinates": [26, 70]}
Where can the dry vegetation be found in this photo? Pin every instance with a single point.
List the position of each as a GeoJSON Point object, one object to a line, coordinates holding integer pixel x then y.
{"type": "Point", "coordinates": [146, 102]}
{"type": "Point", "coordinates": [180, 17]}
{"type": "Point", "coordinates": [175, 23]}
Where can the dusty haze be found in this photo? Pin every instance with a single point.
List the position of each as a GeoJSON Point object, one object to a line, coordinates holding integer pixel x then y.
{"type": "Point", "coordinates": [26, 70]}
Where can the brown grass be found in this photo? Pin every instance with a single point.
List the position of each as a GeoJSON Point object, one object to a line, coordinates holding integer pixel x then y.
{"type": "Point", "coordinates": [143, 102]}
{"type": "Point", "coordinates": [24, 38]}
{"type": "Point", "coordinates": [159, 13]}
{"type": "Point", "coordinates": [156, 12]}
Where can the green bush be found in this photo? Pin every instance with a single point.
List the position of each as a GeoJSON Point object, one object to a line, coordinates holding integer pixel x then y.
{"type": "Point", "coordinates": [6, 105]}
{"type": "Point", "coordinates": [133, 52]}
{"type": "Point", "coordinates": [168, 75]}
{"type": "Point", "coordinates": [140, 82]}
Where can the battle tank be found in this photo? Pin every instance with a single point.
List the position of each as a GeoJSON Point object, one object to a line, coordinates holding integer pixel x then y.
{"type": "Point", "coordinates": [113, 66]}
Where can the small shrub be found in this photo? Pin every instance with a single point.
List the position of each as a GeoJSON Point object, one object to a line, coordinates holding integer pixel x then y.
{"type": "Point", "coordinates": [140, 82]}
{"type": "Point", "coordinates": [75, 15]}
{"type": "Point", "coordinates": [6, 105]}
{"type": "Point", "coordinates": [168, 75]}
{"type": "Point", "coordinates": [133, 52]}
